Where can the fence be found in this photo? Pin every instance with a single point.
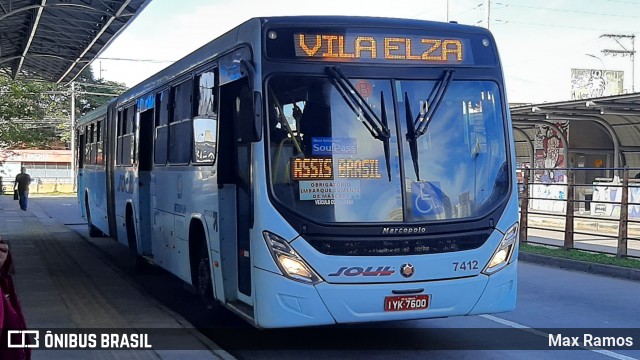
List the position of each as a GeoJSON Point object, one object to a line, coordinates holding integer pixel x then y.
{"type": "Point", "coordinates": [607, 209]}
{"type": "Point", "coordinates": [42, 185]}
{"type": "Point", "coordinates": [601, 216]}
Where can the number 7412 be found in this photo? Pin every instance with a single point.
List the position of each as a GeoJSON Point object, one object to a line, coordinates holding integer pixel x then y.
{"type": "Point", "coordinates": [465, 265]}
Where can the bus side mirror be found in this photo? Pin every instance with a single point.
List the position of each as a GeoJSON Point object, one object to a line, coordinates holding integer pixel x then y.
{"type": "Point", "coordinates": [249, 117]}
{"type": "Point", "coordinates": [252, 130]}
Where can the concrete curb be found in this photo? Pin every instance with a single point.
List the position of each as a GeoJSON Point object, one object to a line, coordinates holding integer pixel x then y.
{"type": "Point", "coordinates": [600, 269]}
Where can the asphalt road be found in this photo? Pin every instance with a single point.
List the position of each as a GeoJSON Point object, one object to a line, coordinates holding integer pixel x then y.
{"type": "Point", "coordinates": [550, 301]}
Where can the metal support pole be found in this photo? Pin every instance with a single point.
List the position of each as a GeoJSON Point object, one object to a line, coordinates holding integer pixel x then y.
{"type": "Point", "coordinates": [524, 206]}
{"type": "Point", "coordinates": [633, 63]}
{"type": "Point", "coordinates": [568, 225]}
{"type": "Point", "coordinates": [72, 112]}
{"type": "Point", "coordinates": [624, 216]}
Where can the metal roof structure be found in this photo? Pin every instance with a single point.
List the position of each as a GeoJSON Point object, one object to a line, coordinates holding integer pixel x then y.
{"type": "Point", "coordinates": [606, 123]}
{"type": "Point", "coordinates": [54, 40]}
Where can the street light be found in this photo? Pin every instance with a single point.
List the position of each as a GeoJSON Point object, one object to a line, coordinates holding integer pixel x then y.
{"type": "Point", "coordinates": [597, 83]}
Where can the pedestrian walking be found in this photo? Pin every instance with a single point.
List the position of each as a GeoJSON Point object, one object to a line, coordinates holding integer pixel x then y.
{"type": "Point", "coordinates": [22, 185]}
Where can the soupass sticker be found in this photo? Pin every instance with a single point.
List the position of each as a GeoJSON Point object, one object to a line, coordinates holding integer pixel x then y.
{"type": "Point", "coordinates": [331, 145]}
{"type": "Point", "coordinates": [426, 198]}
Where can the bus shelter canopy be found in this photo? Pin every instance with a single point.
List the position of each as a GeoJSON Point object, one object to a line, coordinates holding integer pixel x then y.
{"type": "Point", "coordinates": [54, 40]}
{"type": "Point", "coordinates": [614, 118]}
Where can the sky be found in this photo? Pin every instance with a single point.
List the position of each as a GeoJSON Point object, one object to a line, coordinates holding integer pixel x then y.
{"type": "Point", "coordinates": [539, 41]}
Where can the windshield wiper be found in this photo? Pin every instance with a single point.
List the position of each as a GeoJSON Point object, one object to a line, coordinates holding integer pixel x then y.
{"type": "Point", "coordinates": [419, 126]}
{"type": "Point", "coordinates": [379, 128]}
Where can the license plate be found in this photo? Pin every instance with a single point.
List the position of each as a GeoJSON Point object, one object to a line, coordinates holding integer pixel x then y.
{"type": "Point", "coordinates": [406, 302]}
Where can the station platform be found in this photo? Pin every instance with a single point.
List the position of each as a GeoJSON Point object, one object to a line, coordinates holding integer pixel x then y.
{"type": "Point", "coordinates": [63, 282]}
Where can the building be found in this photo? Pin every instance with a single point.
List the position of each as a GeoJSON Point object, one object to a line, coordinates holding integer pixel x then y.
{"type": "Point", "coordinates": [49, 169]}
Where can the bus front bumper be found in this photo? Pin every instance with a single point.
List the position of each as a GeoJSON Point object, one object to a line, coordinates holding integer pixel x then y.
{"type": "Point", "coordinates": [285, 303]}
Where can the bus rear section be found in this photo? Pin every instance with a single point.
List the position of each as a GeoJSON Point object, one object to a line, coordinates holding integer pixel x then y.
{"type": "Point", "coordinates": [390, 177]}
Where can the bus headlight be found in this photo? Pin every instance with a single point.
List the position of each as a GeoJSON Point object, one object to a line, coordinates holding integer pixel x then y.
{"type": "Point", "coordinates": [502, 256]}
{"type": "Point", "coordinates": [290, 263]}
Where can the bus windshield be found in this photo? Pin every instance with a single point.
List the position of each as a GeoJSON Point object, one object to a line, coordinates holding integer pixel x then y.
{"type": "Point", "coordinates": [328, 162]}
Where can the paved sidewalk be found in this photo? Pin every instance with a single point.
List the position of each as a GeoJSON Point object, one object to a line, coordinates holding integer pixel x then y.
{"type": "Point", "coordinates": [64, 282]}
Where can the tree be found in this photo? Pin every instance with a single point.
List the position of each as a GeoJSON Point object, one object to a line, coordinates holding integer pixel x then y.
{"type": "Point", "coordinates": [29, 113]}
{"type": "Point", "coordinates": [88, 89]}
{"type": "Point", "coordinates": [37, 114]}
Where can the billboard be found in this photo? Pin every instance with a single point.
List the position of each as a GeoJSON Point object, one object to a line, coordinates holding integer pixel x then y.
{"type": "Point", "coordinates": [593, 83]}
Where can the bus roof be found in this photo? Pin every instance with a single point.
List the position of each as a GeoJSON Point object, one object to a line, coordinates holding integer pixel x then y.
{"type": "Point", "coordinates": [94, 114]}
{"type": "Point", "coordinates": [367, 21]}
{"type": "Point", "coordinates": [251, 29]}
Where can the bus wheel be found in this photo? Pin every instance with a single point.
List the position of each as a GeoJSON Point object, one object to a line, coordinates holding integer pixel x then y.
{"type": "Point", "coordinates": [93, 230]}
{"type": "Point", "coordinates": [138, 263]}
{"type": "Point", "coordinates": [204, 286]}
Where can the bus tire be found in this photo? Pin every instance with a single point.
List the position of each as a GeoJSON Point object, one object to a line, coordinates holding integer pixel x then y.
{"type": "Point", "coordinates": [138, 263]}
{"type": "Point", "coordinates": [93, 230]}
{"type": "Point", "coordinates": [204, 287]}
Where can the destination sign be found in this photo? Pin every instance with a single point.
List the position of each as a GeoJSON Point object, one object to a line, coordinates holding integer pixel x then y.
{"type": "Point", "coordinates": [311, 169]}
{"type": "Point", "coordinates": [322, 169]}
{"type": "Point", "coordinates": [381, 48]}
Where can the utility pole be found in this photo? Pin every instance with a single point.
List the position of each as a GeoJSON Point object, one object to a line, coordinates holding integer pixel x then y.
{"type": "Point", "coordinates": [448, 19]}
{"type": "Point", "coordinates": [624, 52]}
{"type": "Point", "coordinates": [488, 12]}
{"type": "Point", "coordinates": [73, 135]}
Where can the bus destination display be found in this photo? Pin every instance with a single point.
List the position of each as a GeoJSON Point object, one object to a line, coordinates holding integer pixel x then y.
{"type": "Point", "coordinates": [381, 48]}
{"type": "Point", "coordinates": [322, 169]}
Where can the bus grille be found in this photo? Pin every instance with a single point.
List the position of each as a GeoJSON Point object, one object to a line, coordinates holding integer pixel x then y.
{"type": "Point", "coordinates": [392, 247]}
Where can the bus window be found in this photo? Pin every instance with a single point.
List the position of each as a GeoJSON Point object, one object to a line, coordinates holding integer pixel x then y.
{"type": "Point", "coordinates": [332, 152]}
{"type": "Point", "coordinates": [87, 146]}
{"type": "Point", "coordinates": [290, 111]}
{"type": "Point", "coordinates": [79, 147]}
{"type": "Point", "coordinates": [100, 135]}
{"type": "Point", "coordinates": [180, 126]}
{"type": "Point", "coordinates": [462, 155]}
{"type": "Point", "coordinates": [207, 96]}
{"type": "Point", "coordinates": [119, 128]}
{"type": "Point", "coordinates": [119, 124]}
{"type": "Point", "coordinates": [205, 123]}
{"type": "Point", "coordinates": [162, 129]}
{"type": "Point", "coordinates": [128, 137]}
{"type": "Point", "coordinates": [204, 135]}
{"type": "Point", "coordinates": [93, 150]}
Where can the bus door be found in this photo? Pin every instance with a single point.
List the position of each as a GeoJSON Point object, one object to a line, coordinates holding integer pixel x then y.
{"type": "Point", "coordinates": [234, 179]}
{"type": "Point", "coordinates": [79, 159]}
{"type": "Point", "coordinates": [144, 141]}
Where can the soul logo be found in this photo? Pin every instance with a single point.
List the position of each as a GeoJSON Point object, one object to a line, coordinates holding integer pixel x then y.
{"type": "Point", "coordinates": [361, 271]}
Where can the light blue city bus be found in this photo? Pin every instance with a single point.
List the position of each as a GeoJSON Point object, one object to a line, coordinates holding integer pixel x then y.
{"type": "Point", "coordinates": [317, 170]}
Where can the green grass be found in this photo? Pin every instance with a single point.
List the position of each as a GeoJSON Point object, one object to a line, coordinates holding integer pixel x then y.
{"type": "Point", "coordinates": [580, 255]}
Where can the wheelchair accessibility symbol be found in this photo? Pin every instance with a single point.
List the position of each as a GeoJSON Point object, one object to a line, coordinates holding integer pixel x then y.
{"type": "Point", "coordinates": [426, 199]}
